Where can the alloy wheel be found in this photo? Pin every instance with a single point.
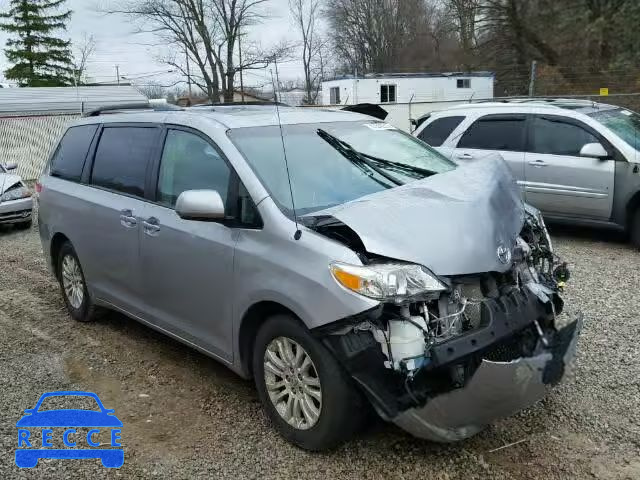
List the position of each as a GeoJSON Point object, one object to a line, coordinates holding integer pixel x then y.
{"type": "Point", "coordinates": [292, 383]}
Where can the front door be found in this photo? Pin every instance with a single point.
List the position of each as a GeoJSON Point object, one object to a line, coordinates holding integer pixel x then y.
{"type": "Point", "coordinates": [558, 180]}
{"type": "Point", "coordinates": [504, 134]}
{"type": "Point", "coordinates": [187, 265]}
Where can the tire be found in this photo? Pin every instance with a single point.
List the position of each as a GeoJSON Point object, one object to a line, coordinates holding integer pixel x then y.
{"type": "Point", "coordinates": [341, 407]}
{"type": "Point", "coordinates": [23, 225]}
{"type": "Point", "coordinates": [634, 229]}
{"type": "Point", "coordinates": [81, 309]}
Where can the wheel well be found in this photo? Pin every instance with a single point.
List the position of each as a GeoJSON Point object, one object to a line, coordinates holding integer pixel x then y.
{"type": "Point", "coordinates": [632, 206]}
{"type": "Point", "coordinates": [249, 329]}
{"type": "Point", "coordinates": [56, 244]}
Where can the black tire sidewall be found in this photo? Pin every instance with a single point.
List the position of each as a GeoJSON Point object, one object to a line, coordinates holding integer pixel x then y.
{"type": "Point", "coordinates": [341, 403]}
{"type": "Point", "coordinates": [635, 229]}
{"type": "Point", "coordinates": [83, 313]}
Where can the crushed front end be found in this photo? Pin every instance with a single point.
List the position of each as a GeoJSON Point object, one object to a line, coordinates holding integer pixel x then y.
{"type": "Point", "coordinates": [444, 364]}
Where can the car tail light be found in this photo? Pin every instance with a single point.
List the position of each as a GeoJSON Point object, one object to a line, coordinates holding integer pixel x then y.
{"type": "Point", "coordinates": [38, 187]}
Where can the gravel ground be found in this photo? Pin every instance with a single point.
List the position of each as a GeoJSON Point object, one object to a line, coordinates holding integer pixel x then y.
{"type": "Point", "coordinates": [186, 416]}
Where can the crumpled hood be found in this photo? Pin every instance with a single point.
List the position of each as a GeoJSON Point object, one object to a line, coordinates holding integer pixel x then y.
{"type": "Point", "coordinates": [453, 223]}
{"type": "Point", "coordinates": [8, 180]}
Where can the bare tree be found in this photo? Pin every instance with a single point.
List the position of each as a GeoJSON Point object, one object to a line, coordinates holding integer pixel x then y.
{"type": "Point", "coordinates": [84, 50]}
{"type": "Point", "coordinates": [305, 15]}
{"type": "Point", "coordinates": [465, 14]}
{"type": "Point", "coordinates": [153, 90]}
{"type": "Point", "coordinates": [202, 33]}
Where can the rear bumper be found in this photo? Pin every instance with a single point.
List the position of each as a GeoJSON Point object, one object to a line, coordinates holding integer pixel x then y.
{"type": "Point", "coordinates": [16, 211]}
{"type": "Point", "coordinates": [496, 390]}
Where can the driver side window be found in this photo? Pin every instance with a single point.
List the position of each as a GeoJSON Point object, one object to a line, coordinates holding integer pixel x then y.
{"type": "Point", "coordinates": [190, 163]}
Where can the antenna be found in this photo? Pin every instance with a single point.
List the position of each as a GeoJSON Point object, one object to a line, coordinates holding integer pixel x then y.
{"type": "Point", "coordinates": [298, 233]}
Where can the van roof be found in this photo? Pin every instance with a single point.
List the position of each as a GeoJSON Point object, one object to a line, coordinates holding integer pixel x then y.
{"type": "Point", "coordinates": [231, 116]}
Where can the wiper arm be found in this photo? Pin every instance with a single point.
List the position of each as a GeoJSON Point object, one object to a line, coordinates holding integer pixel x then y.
{"type": "Point", "coordinates": [354, 156]}
{"type": "Point", "coordinates": [403, 168]}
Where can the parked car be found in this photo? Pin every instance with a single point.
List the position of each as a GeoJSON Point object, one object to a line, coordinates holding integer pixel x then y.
{"type": "Point", "coordinates": [577, 161]}
{"type": "Point", "coordinates": [16, 203]}
{"type": "Point", "coordinates": [335, 259]}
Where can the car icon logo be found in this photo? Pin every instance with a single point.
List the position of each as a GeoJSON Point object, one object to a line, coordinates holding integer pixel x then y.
{"type": "Point", "coordinates": [28, 453]}
{"type": "Point", "coordinates": [504, 254]}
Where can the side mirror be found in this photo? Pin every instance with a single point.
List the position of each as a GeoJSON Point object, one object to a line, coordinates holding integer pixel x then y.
{"type": "Point", "coordinates": [594, 150]}
{"type": "Point", "coordinates": [200, 205]}
{"type": "Point", "coordinates": [11, 166]}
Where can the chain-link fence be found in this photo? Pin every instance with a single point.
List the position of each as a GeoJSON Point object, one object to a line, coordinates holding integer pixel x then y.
{"type": "Point", "coordinates": [28, 139]}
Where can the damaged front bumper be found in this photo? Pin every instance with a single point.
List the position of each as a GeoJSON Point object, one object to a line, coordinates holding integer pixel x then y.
{"type": "Point", "coordinates": [496, 390]}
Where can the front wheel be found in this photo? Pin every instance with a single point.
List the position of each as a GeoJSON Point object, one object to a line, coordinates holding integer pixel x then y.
{"type": "Point", "coordinates": [307, 395]}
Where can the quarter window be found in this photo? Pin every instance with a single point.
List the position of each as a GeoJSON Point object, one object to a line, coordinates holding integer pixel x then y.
{"type": "Point", "coordinates": [387, 93]}
{"type": "Point", "coordinates": [439, 130]}
{"type": "Point", "coordinates": [556, 137]}
{"type": "Point", "coordinates": [495, 133]}
{"type": "Point", "coordinates": [68, 160]}
{"type": "Point", "coordinates": [190, 163]}
{"type": "Point", "coordinates": [121, 158]}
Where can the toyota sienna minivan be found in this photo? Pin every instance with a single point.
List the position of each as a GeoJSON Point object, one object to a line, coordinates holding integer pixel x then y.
{"type": "Point", "coordinates": [336, 260]}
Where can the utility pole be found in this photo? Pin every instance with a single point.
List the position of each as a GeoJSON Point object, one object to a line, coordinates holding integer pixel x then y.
{"type": "Point", "coordinates": [532, 81]}
{"type": "Point", "coordinates": [186, 53]}
{"type": "Point", "coordinates": [241, 69]}
{"type": "Point", "coordinates": [276, 87]}
{"type": "Point", "coordinates": [355, 85]}
{"type": "Point", "coordinates": [118, 74]}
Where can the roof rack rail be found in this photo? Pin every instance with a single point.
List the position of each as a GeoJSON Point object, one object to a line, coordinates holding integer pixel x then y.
{"type": "Point", "coordinates": [241, 104]}
{"type": "Point", "coordinates": [551, 100]}
{"type": "Point", "coordinates": [131, 106]}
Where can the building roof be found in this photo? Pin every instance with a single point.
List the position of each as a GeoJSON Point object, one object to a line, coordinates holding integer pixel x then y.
{"type": "Point", "coordinates": [65, 99]}
{"type": "Point", "coordinates": [414, 75]}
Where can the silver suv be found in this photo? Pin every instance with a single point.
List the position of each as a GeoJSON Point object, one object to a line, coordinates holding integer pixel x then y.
{"type": "Point", "coordinates": [336, 260]}
{"type": "Point", "coordinates": [577, 161]}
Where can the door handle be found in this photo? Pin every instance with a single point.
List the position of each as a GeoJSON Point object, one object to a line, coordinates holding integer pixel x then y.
{"type": "Point", "coordinates": [464, 156]}
{"type": "Point", "coordinates": [151, 226]}
{"type": "Point", "coordinates": [538, 163]}
{"type": "Point", "coordinates": [127, 219]}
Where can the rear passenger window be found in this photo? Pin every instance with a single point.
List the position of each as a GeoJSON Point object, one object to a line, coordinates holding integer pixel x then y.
{"type": "Point", "coordinates": [68, 160]}
{"type": "Point", "coordinates": [121, 158]}
{"type": "Point", "coordinates": [496, 133]}
{"type": "Point", "coordinates": [437, 132]}
{"type": "Point", "coordinates": [556, 137]}
{"type": "Point", "coordinates": [189, 162]}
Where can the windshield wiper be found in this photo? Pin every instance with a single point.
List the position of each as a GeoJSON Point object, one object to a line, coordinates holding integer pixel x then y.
{"type": "Point", "coordinates": [402, 168]}
{"type": "Point", "coordinates": [354, 156]}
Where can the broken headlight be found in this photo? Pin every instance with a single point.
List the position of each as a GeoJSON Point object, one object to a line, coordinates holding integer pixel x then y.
{"type": "Point", "coordinates": [394, 282]}
{"type": "Point", "coordinates": [15, 194]}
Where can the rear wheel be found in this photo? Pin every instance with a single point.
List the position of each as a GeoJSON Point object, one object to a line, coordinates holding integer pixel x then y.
{"type": "Point", "coordinates": [634, 229]}
{"type": "Point", "coordinates": [74, 288]}
{"type": "Point", "coordinates": [307, 395]}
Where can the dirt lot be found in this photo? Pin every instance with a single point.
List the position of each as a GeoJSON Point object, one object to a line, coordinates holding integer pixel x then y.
{"type": "Point", "coordinates": [186, 416]}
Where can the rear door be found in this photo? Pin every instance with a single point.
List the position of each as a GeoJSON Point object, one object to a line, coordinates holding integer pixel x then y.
{"type": "Point", "coordinates": [111, 210]}
{"type": "Point", "coordinates": [558, 180]}
{"type": "Point", "coordinates": [187, 265]}
{"type": "Point", "coordinates": [500, 133]}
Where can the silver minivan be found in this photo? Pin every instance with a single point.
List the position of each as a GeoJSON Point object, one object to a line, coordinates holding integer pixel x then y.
{"type": "Point", "coordinates": [343, 264]}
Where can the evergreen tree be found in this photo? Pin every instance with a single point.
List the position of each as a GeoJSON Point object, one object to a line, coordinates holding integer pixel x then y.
{"type": "Point", "coordinates": [39, 58]}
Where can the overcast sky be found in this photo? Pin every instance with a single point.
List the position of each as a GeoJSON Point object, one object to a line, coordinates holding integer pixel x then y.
{"type": "Point", "coordinates": [117, 45]}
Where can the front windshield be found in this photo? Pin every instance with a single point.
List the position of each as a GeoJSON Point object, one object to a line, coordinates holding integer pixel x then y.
{"type": "Point", "coordinates": [321, 176]}
{"type": "Point", "coordinates": [624, 123]}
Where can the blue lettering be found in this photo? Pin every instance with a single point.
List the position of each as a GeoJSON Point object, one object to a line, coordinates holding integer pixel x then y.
{"type": "Point", "coordinates": [46, 437]}
{"type": "Point", "coordinates": [65, 437]}
{"type": "Point", "coordinates": [23, 436]}
{"type": "Point", "coordinates": [90, 433]}
{"type": "Point", "coordinates": [115, 437]}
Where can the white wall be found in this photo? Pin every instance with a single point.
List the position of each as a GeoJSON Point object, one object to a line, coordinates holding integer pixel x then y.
{"type": "Point", "coordinates": [422, 89]}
